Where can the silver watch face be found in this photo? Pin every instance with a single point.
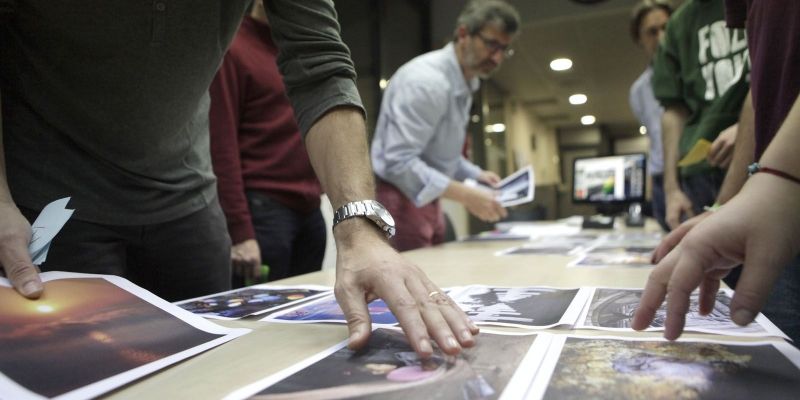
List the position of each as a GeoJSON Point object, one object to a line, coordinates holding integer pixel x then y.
{"type": "Point", "coordinates": [384, 215]}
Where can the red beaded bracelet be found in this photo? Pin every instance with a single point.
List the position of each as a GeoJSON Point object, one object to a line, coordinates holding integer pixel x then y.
{"type": "Point", "coordinates": [756, 167]}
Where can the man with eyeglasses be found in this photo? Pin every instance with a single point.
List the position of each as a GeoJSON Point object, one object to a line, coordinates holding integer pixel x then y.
{"type": "Point", "coordinates": [416, 151]}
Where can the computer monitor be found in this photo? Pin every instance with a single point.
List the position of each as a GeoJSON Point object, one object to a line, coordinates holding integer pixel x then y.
{"type": "Point", "coordinates": [608, 180]}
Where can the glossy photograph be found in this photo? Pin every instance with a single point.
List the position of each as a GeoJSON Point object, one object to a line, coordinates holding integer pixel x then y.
{"type": "Point", "coordinates": [597, 368]}
{"type": "Point", "coordinates": [387, 368]}
{"type": "Point", "coordinates": [327, 309]}
{"type": "Point", "coordinates": [613, 309]}
{"type": "Point", "coordinates": [254, 300]}
{"type": "Point", "coordinates": [530, 307]}
{"type": "Point", "coordinates": [83, 332]}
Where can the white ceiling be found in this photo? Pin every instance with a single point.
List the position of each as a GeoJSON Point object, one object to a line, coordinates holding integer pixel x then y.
{"type": "Point", "coordinates": [605, 63]}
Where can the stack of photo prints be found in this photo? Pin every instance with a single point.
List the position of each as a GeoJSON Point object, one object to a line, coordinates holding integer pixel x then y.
{"type": "Point", "coordinates": [90, 334]}
{"type": "Point", "coordinates": [592, 249]}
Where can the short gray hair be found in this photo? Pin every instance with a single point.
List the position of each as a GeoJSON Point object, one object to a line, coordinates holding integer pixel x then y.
{"type": "Point", "coordinates": [479, 13]}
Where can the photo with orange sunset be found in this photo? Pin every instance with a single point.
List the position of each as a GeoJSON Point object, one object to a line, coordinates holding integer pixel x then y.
{"type": "Point", "coordinates": [84, 330]}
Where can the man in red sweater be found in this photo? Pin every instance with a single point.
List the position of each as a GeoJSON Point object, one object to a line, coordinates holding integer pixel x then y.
{"type": "Point", "coordinates": [266, 185]}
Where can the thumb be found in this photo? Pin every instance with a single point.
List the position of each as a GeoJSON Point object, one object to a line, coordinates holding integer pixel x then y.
{"type": "Point", "coordinates": [21, 272]}
{"type": "Point", "coordinates": [354, 306]}
{"type": "Point", "coordinates": [759, 273]}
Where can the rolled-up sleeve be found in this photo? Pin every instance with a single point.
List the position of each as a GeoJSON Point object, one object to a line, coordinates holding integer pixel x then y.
{"type": "Point", "coordinates": [315, 63]}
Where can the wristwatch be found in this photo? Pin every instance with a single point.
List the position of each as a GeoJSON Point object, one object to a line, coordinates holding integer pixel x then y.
{"type": "Point", "coordinates": [370, 209]}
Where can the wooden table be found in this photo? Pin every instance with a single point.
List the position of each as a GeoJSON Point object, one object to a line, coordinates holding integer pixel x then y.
{"type": "Point", "coordinates": [272, 347]}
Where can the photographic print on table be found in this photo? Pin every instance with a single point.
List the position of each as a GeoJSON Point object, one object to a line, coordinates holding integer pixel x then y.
{"type": "Point", "coordinates": [624, 239]}
{"type": "Point", "coordinates": [526, 307]}
{"type": "Point", "coordinates": [625, 368]}
{"type": "Point", "coordinates": [499, 366]}
{"type": "Point", "coordinates": [326, 309]}
{"type": "Point", "coordinates": [613, 309]}
{"type": "Point", "coordinates": [89, 334]}
{"type": "Point", "coordinates": [253, 300]}
{"type": "Point", "coordinates": [612, 259]}
{"type": "Point", "coordinates": [496, 235]}
{"type": "Point", "coordinates": [639, 250]}
{"type": "Point", "coordinates": [554, 245]}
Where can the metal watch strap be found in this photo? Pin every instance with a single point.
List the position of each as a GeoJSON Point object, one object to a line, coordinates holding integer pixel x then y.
{"type": "Point", "coordinates": [362, 208]}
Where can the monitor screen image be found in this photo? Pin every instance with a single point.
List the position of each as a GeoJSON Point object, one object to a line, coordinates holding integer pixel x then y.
{"type": "Point", "coordinates": [610, 179]}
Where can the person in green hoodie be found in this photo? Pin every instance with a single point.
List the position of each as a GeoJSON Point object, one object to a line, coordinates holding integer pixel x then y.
{"type": "Point", "coordinates": [700, 77]}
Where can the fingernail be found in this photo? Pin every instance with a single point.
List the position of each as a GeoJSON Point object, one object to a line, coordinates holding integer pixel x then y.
{"type": "Point", "coordinates": [466, 335]}
{"type": "Point", "coordinates": [473, 326]}
{"type": "Point", "coordinates": [743, 317]}
{"type": "Point", "coordinates": [425, 346]}
{"type": "Point", "coordinates": [453, 343]}
{"type": "Point", "coordinates": [29, 288]}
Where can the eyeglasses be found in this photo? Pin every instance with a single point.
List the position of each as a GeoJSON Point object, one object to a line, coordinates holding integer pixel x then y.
{"type": "Point", "coordinates": [494, 46]}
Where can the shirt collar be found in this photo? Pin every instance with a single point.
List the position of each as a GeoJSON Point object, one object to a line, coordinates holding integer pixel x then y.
{"type": "Point", "coordinates": [456, 76]}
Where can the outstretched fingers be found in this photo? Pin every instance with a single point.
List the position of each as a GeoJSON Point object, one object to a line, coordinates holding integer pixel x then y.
{"type": "Point", "coordinates": [653, 295]}
{"type": "Point", "coordinates": [447, 323]}
{"type": "Point", "coordinates": [354, 305]}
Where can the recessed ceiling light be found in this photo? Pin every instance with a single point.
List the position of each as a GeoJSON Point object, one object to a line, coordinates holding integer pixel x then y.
{"type": "Point", "coordinates": [561, 64]}
{"type": "Point", "coordinates": [577, 99]}
{"type": "Point", "coordinates": [495, 128]}
{"type": "Point", "coordinates": [643, 130]}
{"type": "Point", "coordinates": [588, 119]}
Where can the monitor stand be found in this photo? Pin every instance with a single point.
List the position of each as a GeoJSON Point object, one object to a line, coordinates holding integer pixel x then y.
{"type": "Point", "coordinates": [635, 217]}
{"type": "Point", "coordinates": [598, 221]}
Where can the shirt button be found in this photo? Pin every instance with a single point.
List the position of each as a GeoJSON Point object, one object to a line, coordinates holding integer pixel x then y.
{"type": "Point", "coordinates": [161, 6]}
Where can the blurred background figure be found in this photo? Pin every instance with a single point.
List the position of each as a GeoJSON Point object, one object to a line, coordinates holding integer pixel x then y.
{"type": "Point", "coordinates": [267, 187]}
{"type": "Point", "coordinates": [648, 22]}
{"type": "Point", "coordinates": [700, 77]}
{"type": "Point", "coordinates": [422, 125]}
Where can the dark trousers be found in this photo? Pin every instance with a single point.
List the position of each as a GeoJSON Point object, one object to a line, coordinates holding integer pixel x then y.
{"type": "Point", "coordinates": [179, 259]}
{"type": "Point", "coordinates": [658, 202]}
{"type": "Point", "coordinates": [702, 189]}
{"type": "Point", "coordinates": [291, 243]}
{"type": "Point", "coordinates": [783, 304]}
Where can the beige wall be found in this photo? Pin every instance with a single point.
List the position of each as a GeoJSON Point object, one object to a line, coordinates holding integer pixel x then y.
{"type": "Point", "coordinates": [528, 141]}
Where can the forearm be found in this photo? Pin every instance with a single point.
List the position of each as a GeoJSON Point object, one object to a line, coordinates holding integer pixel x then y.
{"type": "Point", "coordinates": [456, 191]}
{"type": "Point", "coordinates": [672, 123]}
{"type": "Point", "coordinates": [742, 153]}
{"type": "Point", "coordinates": [781, 154]}
{"type": "Point", "coordinates": [337, 147]}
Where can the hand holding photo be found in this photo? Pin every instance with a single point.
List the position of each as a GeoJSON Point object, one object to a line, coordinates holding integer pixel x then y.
{"type": "Point", "coordinates": [515, 189]}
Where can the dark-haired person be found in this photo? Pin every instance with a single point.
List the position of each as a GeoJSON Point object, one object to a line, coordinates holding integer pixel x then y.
{"type": "Point", "coordinates": [416, 151]}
